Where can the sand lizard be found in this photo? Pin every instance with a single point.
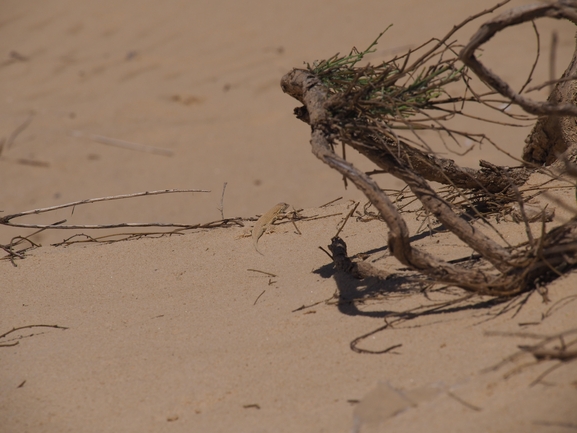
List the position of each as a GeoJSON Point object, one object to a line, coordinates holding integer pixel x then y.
{"type": "Point", "coordinates": [265, 221]}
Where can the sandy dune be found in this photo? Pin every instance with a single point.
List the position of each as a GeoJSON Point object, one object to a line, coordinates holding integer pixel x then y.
{"type": "Point", "coordinates": [198, 332]}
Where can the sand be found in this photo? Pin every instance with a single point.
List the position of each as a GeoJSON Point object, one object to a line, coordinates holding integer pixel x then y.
{"type": "Point", "coordinates": [181, 333]}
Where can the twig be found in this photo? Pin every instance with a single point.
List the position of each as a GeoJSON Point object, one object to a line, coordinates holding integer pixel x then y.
{"type": "Point", "coordinates": [258, 297]}
{"type": "Point", "coordinates": [17, 131]}
{"type": "Point", "coordinates": [303, 307]}
{"type": "Point", "coordinates": [292, 220]}
{"type": "Point", "coordinates": [331, 202]}
{"type": "Point", "coordinates": [546, 340]}
{"type": "Point", "coordinates": [326, 252]}
{"type": "Point", "coordinates": [5, 220]}
{"type": "Point", "coordinates": [221, 208]}
{"type": "Point", "coordinates": [137, 235]}
{"type": "Point", "coordinates": [10, 344]}
{"type": "Point", "coordinates": [514, 16]}
{"type": "Point", "coordinates": [316, 217]}
{"type": "Point", "coordinates": [354, 344]}
{"type": "Point", "coordinates": [549, 354]}
{"type": "Point", "coordinates": [551, 83]}
{"type": "Point", "coordinates": [558, 305]}
{"type": "Point", "coordinates": [307, 88]}
{"type": "Point", "coordinates": [263, 272]}
{"type": "Point", "coordinates": [31, 326]}
{"type": "Point", "coordinates": [17, 240]}
{"type": "Point", "coordinates": [361, 106]}
{"type": "Point", "coordinates": [346, 219]}
{"type": "Point", "coordinates": [26, 327]}
{"type": "Point", "coordinates": [546, 373]}
{"type": "Point", "coordinates": [463, 402]}
{"type": "Point", "coordinates": [553, 60]}
{"type": "Point", "coordinates": [536, 61]}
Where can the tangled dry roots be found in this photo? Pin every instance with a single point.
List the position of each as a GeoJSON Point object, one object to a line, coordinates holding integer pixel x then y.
{"type": "Point", "coordinates": [339, 117]}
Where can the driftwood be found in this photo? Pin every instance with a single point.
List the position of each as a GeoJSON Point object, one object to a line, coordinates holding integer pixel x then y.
{"type": "Point", "coordinates": [340, 117]}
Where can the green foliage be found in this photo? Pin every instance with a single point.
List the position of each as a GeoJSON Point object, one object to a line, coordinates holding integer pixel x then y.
{"type": "Point", "coordinates": [374, 90]}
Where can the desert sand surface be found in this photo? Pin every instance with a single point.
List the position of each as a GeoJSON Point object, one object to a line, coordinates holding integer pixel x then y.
{"type": "Point", "coordinates": [198, 332]}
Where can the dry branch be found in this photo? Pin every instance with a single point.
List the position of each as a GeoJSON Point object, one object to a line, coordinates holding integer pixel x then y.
{"type": "Point", "coordinates": [361, 107]}
{"type": "Point", "coordinates": [555, 135]}
{"type": "Point", "coordinates": [541, 352]}
{"type": "Point", "coordinates": [566, 9]}
{"type": "Point", "coordinates": [555, 131]}
{"type": "Point", "coordinates": [305, 87]}
{"type": "Point", "coordinates": [26, 327]}
{"type": "Point", "coordinates": [8, 142]}
{"type": "Point", "coordinates": [6, 220]}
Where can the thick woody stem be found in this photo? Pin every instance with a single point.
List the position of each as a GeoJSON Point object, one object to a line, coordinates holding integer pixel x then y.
{"type": "Point", "coordinates": [399, 243]}
{"type": "Point", "coordinates": [306, 88]}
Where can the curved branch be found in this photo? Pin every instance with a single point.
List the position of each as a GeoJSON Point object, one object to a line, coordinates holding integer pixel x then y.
{"type": "Point", "coordinates": [564, 9]}
{"type": "Point", "coordinates": [308, 89]}
{"type": "Point", "coordinates": [398, 241]}
{"type": "Point", "coordinates": [490, 178]}
{"type": "Point", "coordinates": [556, 135]}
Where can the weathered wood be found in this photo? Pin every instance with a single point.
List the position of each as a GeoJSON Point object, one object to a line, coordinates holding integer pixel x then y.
{"type": "Point", "coordinates": [514, 271]}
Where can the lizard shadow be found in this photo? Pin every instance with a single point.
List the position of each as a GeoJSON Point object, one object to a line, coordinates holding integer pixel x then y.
{"type": "Point", "coordinates": [352, 292]}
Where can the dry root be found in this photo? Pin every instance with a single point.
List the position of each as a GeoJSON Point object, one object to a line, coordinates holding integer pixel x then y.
{"type": "Point", "coordinates": [345, 116]}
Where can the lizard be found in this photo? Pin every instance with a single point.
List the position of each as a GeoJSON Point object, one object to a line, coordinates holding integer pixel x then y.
{"type": "Point", "coordinates": [265, 221]}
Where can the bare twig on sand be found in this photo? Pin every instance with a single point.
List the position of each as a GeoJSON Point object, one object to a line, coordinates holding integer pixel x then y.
{"type": "Point", "coordinates": [26, 327]}
{"type": "Point", "coordinates": [8, 142]}
{"type": "Point", "coordinates": [221, 207]}
{"type": "Point", "coordinates": [6, 220]}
